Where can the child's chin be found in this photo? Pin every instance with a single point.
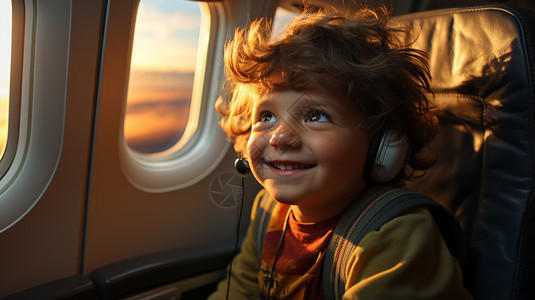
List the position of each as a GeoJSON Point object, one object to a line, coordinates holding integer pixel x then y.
{"type": "Point", "coordinates": [285, 197]}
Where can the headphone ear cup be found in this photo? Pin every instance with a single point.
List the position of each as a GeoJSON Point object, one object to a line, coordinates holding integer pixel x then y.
{"type": "Point", "coordinates": [389, 157]}
{"type": "Point", "coordinates": [242, 166]}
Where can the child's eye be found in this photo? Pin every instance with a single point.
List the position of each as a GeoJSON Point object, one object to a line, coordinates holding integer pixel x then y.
{"type": "Point", "coordinates": [317, 116]}
{"type": "Point", "coordinates": [267, 117]}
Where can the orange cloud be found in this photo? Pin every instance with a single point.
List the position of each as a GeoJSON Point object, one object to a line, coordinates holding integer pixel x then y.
{"type": "Point", "coordinates": [148, 86]}
{"type": "Point", "coordinates": [155, 128]}
{"type": "Point", "coordinates": [158, 109]}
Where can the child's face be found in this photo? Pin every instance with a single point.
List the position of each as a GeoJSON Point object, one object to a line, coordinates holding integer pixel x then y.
{"type": "Point", "coordinates": [308, 148]}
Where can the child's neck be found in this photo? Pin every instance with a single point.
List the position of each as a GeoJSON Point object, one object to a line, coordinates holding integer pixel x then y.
{"type": "Point", "coordinates": [319, 214]}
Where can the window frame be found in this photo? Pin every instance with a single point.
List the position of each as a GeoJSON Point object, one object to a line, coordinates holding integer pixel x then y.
{"type": "Point", "coordinates": [41, 106]}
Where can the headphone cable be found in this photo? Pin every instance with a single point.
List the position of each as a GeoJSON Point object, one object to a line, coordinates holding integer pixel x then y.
{"type": "Point", "coordinates": [279, 248]}
{"type": "Point", "coordinates": [237, 234]}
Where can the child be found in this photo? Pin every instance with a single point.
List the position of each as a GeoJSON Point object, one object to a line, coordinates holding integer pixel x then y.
{"type": "Point", "coordinates": [306, 112]}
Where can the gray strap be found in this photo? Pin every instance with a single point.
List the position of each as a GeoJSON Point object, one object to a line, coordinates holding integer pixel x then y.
{"type": "Point", "coordinates": [343, 241]}
{"type": "Point", "coordinates": [262, 216]}
{"type": "Point", "coordinates": [376, 206]}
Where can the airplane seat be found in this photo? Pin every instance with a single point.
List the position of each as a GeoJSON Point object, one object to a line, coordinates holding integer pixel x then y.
{"type": "Point", "coordinates": [482, 67]}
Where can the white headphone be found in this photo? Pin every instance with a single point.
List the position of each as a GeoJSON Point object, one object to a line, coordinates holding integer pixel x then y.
{"type": "Point", "coordinates": [387, 156]}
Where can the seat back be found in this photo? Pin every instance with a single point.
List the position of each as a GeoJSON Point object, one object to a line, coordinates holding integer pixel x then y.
{"type": "Point", "coordinates": [482, 66]}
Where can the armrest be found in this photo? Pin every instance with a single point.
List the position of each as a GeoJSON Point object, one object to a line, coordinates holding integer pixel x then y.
{"type": "Point", "coordinates": [141, 273]}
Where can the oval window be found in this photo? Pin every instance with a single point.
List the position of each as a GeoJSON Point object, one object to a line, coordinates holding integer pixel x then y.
{"type": "Point", "coordinates": [164, 55]}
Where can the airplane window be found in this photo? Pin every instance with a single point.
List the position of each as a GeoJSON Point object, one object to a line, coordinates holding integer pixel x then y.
{"type": "Point", "coordinates": [161, 74]}
{"type": "Point", "coordinates": [5, 68]}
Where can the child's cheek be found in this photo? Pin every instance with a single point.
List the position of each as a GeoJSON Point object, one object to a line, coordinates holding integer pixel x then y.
{"type": "Point", "coordinates": [255, 149]}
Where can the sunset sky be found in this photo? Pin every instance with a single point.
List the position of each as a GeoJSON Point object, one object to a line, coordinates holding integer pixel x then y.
{"type": "Point", "coordinates": [5, 59]}
{"type": "Point", "coordinates": [161, 77]}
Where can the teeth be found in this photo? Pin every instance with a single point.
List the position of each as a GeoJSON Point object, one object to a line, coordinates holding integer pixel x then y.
{"type": "Point", "coordinates": [284, 167]}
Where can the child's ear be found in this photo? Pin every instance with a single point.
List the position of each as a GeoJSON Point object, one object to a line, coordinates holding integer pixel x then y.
{"type": "Point", "coordinates": [386, 156]}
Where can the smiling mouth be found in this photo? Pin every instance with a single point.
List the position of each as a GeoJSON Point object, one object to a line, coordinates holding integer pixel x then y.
{"type": "Point", "coordinates": [290, 166]}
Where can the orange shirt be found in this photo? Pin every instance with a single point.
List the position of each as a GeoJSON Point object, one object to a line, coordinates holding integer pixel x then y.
{"type": "Point", "coordinates": [298, 268]}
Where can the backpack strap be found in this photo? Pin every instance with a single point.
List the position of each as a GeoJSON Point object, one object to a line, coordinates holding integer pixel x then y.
{"type": "Point", "coordinates": [372, 209]}
{"type": "Point", "coordinates": [262, 209]}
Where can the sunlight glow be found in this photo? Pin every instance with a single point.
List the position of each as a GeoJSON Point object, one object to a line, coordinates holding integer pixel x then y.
{"type": "Point", "coordinates": [163, 62]}
{"type": "Point", "coordinates": [5, 69]}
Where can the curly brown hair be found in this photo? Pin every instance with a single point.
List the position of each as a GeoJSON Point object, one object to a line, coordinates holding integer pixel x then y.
{"type": "Point", "coordinates": [368, 58]}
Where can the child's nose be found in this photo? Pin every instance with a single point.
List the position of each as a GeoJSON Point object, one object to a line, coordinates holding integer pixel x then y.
{"type": "Point", "coordinates": [284, 137]}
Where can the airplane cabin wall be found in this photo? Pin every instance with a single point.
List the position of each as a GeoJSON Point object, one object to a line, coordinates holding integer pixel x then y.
{"type": "Point", "coordinates": [46, 243]}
